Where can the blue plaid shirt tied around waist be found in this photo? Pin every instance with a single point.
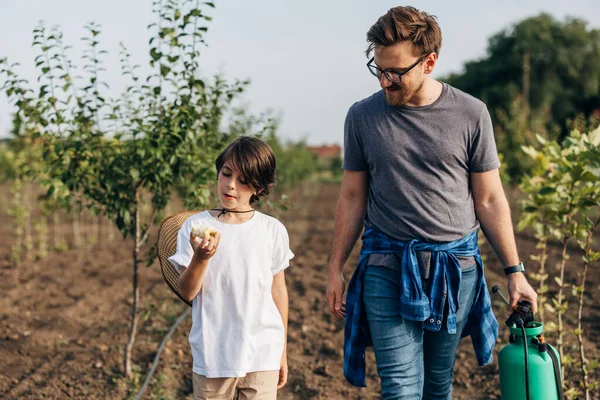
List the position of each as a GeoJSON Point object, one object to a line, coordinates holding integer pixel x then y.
{"type": "Point", "coordinates": [415, 304]}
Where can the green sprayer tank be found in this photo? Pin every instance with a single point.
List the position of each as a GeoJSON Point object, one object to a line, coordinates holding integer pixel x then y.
{"type": "Point", "coordinates": [542, 373]}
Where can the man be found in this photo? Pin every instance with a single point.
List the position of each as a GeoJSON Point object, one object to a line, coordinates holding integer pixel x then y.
{"type": "Point", "coordinates": [421, 175]}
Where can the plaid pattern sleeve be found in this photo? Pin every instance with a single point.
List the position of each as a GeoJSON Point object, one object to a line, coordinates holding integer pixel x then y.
{"type": "Point", "coordinates": [355, 329]}
{"type": "Point", "coordinates": [415, 304]}
{"type": "Point", "coordinates": [482, 325]}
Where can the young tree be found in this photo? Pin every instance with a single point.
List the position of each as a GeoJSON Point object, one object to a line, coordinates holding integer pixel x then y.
{"type": "Point", "coordinates": [537, 75]}
{"type": "Point", "coordinates": [110, 155]}
{"type": "Point", "coordinates": [563, 203]}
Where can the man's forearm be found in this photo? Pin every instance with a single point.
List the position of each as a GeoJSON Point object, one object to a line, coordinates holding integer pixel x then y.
{"type": "Point", "coordinates": [348, 225]}
{"type": "Point", "coordinates": [496, 223]}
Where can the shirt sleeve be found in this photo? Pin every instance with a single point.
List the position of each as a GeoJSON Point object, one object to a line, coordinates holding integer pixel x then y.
{"type": "Point", "coordinates": [184, 254]}
{"type": "Point", "coordinates": [354, 158]}
{"type": "Point", "coordinates": [483, 155]}
{"type": "Point", "coordinates": [282, 253]}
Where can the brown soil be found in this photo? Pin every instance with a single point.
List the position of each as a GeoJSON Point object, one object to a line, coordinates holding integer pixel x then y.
{"type": "Point", "coordinates": [64, 321]}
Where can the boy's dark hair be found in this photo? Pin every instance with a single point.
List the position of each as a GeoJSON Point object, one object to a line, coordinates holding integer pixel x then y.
{"type": "Point", "coordinates": [401, 24]}
{"type": "Point", "coordinates": [254, 160]}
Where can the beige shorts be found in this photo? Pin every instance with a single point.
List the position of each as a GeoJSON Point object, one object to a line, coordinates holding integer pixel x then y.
{"type": "Point", "coordinates": [260, 385]}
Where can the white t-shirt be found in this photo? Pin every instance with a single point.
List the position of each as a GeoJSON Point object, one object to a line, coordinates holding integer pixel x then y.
{"type": "Point", "coordinates": [236, 327]}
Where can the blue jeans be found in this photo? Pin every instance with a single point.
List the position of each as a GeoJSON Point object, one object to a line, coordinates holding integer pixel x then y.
{"type": "Point", "coordinates": [412, 363]}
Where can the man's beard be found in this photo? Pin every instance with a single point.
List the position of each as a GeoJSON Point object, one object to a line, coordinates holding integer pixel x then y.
{"type": "Point", "coordinates": [401, 95]}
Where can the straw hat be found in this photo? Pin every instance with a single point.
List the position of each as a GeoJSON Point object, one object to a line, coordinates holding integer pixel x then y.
{"type": "Point", "coordinates": [167, 246]}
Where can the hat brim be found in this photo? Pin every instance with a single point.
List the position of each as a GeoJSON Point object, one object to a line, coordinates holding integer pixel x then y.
{"type": "Point", "coordinates": [166, 246]}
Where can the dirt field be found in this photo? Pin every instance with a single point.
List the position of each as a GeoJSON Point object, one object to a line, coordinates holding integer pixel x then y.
{"type": "Point", "coordinates": [64, 321]}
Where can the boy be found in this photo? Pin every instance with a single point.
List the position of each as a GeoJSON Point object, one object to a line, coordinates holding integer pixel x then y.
{"type": "Point", "coordinates": [235, 280]}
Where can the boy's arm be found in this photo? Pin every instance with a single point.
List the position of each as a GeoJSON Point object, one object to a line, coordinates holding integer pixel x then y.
{"type": "Point", "coordinates": [192, 277]}
{"type": "Point", "coordinates": [280, 297]}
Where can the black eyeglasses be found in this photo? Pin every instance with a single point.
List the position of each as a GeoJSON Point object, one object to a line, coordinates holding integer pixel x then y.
{"type": "Point", "coordinates": [391, 75]}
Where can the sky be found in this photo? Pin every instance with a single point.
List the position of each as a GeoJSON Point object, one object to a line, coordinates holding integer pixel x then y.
{"type": "Point", "coordinates": [305, 59]}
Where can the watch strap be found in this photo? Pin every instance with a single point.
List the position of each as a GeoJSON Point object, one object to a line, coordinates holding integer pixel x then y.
{"type": "Point", "coordinates": [515, 268]}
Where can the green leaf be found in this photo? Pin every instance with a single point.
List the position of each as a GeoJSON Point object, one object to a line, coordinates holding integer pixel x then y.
{"type": "Point", "coordinates": [155, 54]}
{"type": "Point", "coordinates": [135, 174]}
{"type": "Point", "coordinates": [595, 137]}
{"type": "Point", "coordinates": [126, 215]}
{"type": "Point", "coordinates": [199, 83]}
{"type": "Point", "coordinates": [526, 221]}
{"type": "Point", "coordinates": [558, 281]}
{"type": "Point", "coordinates": [530, 151]}
{"type": "Point", "coordinates": [546, 190]}
{"type": "Point", "coordinates": [540, 139]}
{"type": "Point", "coordinates": [164, 70]}
{"type": "Point", "coordinates": [152, 254]}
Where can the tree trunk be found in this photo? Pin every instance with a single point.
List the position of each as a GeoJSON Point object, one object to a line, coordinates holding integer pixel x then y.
{"type": "Point", "coordinates": [526, 80]}
{"type": "Point", "coordinates": [17, 204]}
{"type": "Point", "coordinates": [99, 220]}
{"type": "Point", "coordinates": [110, 229]}
{"type": "Point", "coordinates": [76, 230]}
{"type": "Point", "coordinates": [42, 234]}
{"type": "Point", "coordinates": [559, 311]}
{"type": "Point", "coordinates": [93, 240]}
{"type": "Point", "coordinates": [136, 291]}
{"type": "Point", "coordinates": [55, 230]}
{"type": "Point", "coordinates": [27, 202]}
{"type": "Point", "coordinates": [542, 272]}
{"type": "Point", "coordinates": [582, 359]}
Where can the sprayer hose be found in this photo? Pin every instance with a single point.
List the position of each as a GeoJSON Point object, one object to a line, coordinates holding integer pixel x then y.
{"type": "Point", "coordinates": [526, 362]}
{"type": "Point", "coordinates": [557, 376]}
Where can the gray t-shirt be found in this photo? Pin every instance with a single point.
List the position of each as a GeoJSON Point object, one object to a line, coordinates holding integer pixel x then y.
{"type": "Point", "coordinates": [419, 160]}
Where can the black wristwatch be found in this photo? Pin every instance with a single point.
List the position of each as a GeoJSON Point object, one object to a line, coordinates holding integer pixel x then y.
{"type": "Point", "coordinates": [515, 268]}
